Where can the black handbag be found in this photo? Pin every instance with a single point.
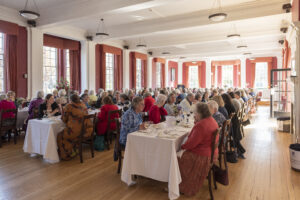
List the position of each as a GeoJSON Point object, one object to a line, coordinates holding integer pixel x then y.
{"type": "Point", "coordinates": [221, 175]}
{"type": "Point", "coordinates": [231, 157]}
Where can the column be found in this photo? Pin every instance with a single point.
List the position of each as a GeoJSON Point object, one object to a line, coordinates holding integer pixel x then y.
{"type": "Point", "coordinates": [91, 65]}
{"type": "Point", "coordinates": [208, 73]}
{"type": "Point", "coordinates": [167, 73]}
{"type": "Point", "coordinates": [126, 70]}
{"type": "Point", "coordinates": [149, 72]}
{"type": "Point", "coordinates": [243, 72]}
{"type": "Point", "coordinates": [84, 66]}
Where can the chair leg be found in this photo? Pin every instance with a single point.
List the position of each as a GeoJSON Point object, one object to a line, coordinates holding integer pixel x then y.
{"type": "Point", "coordinates": [80, 152]}
{"type": "Point", "coordinates": [209, 185]}
{"type": "Point", "coordinates": [120, 162]}
{"type": "Point", "coordinates": [92, 147]}
{"type": "Point", "coordinates": [15, 136]}
{"type": "Point", "coordinates": [214, 179]}
{"type": "Point", "coordinates": [220, 160]}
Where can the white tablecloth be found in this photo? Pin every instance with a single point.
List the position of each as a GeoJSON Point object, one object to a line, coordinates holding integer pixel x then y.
{"type": "Point", "coordinates": [153, 155]}
{"type": "Point", "coordinates": [22, 116]}
{"type": "Point", "coordinates": [41, 138]}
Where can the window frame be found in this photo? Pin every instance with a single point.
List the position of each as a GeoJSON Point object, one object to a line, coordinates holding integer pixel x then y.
{"type": "Point", "coordinates": [2, 68]}
{"type": "Point", "coordinates": [158, 75]}
{"type": "Point", "coordinates": [227, 76]}
{"type": "Point", "coordinates": [193, 74]}
{"type": "Point", "coordinates": [53, 55]}
{"type": "Point", "coordinates": [138, 74]}
{"type": "Point", "coordinates": [67, 66]}
{"type": "Point", "coordinates": [109, 71]}
{"type": "Point", "coordinates": [261, 73]}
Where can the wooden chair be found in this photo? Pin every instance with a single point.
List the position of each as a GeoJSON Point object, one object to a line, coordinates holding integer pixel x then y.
{"type": "Point", "coordinates": [119, 148]}
{"type": "Point", "coordinates": [8, 124]}
{"type": "Point", "coordinates": [109, 132]}
{"type": "Point", "coordinates": [86, 140]}
{"type": "Point", "coordinates": [223, 141]}
{"type": "Point", "coordinates": [214, 145]}
{"type": "Point", "coordinates": [35, 113]}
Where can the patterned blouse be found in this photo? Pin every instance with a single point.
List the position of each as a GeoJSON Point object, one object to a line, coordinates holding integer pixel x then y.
{"type": "Point", "coordinates": [130, 123]}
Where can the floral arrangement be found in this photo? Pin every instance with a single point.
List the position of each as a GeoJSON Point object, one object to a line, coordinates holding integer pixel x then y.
{"type": "Point", "coordinates": [20, 101]}
{"type": "Point", "coordinates": [63, 84]}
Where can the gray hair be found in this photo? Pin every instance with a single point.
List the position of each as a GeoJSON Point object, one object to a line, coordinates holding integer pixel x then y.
{"type": "Point", "coordinates": [2, 96]}
{"type": "Point", "coordinates": [161, 98]}
{"type": "Point", "coordinates": [91, 92]}
{"type": "Point", "coordinates": [62, 92]}
{"type": "Point", "coordinates": [100, 90]}
{"type": "Point", "coordinates": [213, 104]}
{"type": "Point", "coordinates": [40, 94]}
{"type": "Point", "coordinates": [135, 102]}
{"type": "Point", "coordinates": [190, 94]}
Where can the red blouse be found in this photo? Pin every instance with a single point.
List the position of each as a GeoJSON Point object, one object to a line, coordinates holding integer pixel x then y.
{"type": "Point", "coordinates": [200, 138]}
{"type": "Point", "coordinates": [7, 105]}
{"type": "Point", "coordinates": [103, 119]}
{"type": "Point", "coordinates": [155, 113]}
{"type": "Point", "coordinates": [148, 101]}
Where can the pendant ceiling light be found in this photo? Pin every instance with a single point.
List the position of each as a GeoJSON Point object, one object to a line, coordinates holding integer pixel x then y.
{"type": "Point", "coordinates": [165, 53]}
{"type": "Point", "coordinates": [219, 15]}
{"type": "Point", "coordinates": [101, 31]}
{"type": "Point", "coordinates": [29, 14]}
{"type": "Point", "coordinates": [247, 54]}
{"type": "Point", "coordinates": [141, 44]}
{"type": "Point", "coordinates": [242, 46]}
{"type": "Point", "coordinates": [233, 35]}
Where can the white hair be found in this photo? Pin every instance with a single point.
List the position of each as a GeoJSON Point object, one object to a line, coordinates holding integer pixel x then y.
{"type": "Point", "coordinates": [100, 90]}
{"type": "Point", "coordinates": [40, 94]}
{"type": "Point", "coordinates": [161, 98]}
{"type": "Point", "coordinates": [62, 92]}
{"type": "Point", "coordinates": [213, 104]}
{"type": "Point", "coordinates": [91, 92]}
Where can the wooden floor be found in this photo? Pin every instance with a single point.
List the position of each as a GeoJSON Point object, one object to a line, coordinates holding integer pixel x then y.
{"type": "Point", "coordinates": [265, 174]}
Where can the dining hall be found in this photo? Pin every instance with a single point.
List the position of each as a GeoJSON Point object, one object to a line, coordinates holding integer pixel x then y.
{"type": "Point", "coordinates": [149, 99]}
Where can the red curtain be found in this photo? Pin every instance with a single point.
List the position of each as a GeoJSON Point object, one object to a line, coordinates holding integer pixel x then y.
{"type": "Point", "coordinates": [100, 57]}
{"type": "Point", "coordinates": [75, 70]}
{"type": "Point", "coordinates": [235, 76]}
{"type": "Point", "coordinates": [219, 76]}
{"type": "Point", "coordinates": [60, 43]}
{"type": "Point", "coordinates": [61, 54]}
{"type": "Point", "coordinates": [202, 75]}
{"type": "Point", "coordinates": [153, 74]}
{"type": "Point", "coordinates": [9, 28]}
{"type": "Point", "coordinates": [253, 67]}
{"type": "Point", "coordinates": [132, 70]}
{"type": "Point", "coordinates": [185, 74]}
{"type": "Point", "coordinates": [133, 57]}
{"type": "Point", "coordinates": [11, 62]}
{"type": "Point", "coordinates": [163, 75]}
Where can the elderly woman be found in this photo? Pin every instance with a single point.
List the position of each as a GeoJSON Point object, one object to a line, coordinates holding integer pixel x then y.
{"type": "Point", "coordinates": [103, 121]}
{"type": "Point", "coordinates": [221, 105]}
{"type": "Point", "coordinates": [62, 99]}
{"type": "Point", "coordinates": [7, 104]}
{"type": "Point", "coordinates": [49, 107]}
{"type": "Point", "coordinates": [34, 104]}
{"type": "Point", "coordinates": [92, 97]}
{"type": "Point", "coordinates": [205, 97]}
{"type": "Point", "coordinates": [157, 112]}
{"type": "Point", "coordinates": [213, 108]}
{"type": "Point", "coordinates": [170, 105]}
{"type": "Point", "coordinates": [149, 101]}
{"type": "Point", "coordinates": [55, 93]}
{"type": "Point", "coordinates": [132, 119]}
{"type": "Point", "coordinates": [116, 98]}
{"type": "Point", "coordinates": [194, 163]}
{"type": "Point", "coordinates": [73, 115]}
{"type": "Point", "coordinates": [186, 104]}
{"type": "Point", "coordinates": [99, 100]}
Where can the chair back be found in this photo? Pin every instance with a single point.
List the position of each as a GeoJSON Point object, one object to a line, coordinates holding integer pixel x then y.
{"type": "Point", "coordinates": [91, 117]}
{"type": "Point", "coordinates": [214, 145]}
{"type": "Point", "coordinates": [35, 113]}
{"type": "Point", "coordinates": [8, 123]}
{"type": "Point", "coordinates": [111, 120]}
{"type": "Point", "coordinates": [224, 134]}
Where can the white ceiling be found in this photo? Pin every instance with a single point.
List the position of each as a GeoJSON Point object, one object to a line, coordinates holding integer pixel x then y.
{"type": "Point", "coordinates": [180, 27]}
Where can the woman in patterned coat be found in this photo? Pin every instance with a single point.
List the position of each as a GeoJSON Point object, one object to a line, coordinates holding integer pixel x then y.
{"type": "Point", "coordinates": [73, 116]}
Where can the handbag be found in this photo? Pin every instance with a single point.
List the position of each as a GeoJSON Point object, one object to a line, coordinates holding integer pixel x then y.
{"type": "Point", "coordinates": [221, 175]}
{"type": "Point", "coordinates": [231, 157]}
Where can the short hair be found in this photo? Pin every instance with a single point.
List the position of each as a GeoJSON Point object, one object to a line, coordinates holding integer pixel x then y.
{"type": "Point", "coordinates": [203, 110]}
{"type": "Point", "coordinates": [170, 96]}
{"type": "Point", "coordinates": [147, 94]}
{"type": "Point", "coordinates": [10, 93]}
{"type": "Point", "coordinates": [197, 96]}
{"type": "Point", "coordinates": [237, 93]}
{"type": "Point", "coordinates": [219, 100]}
{"type": "Point", "coordinates": [91, 92]}
{"type": "Point", "coordinates": [124, 96]}
{"type": "Point", "coordinates": [161, 98]}
{"type": "Point", "coordinates": [75, 98]}
{"type": "Point", "coordinates": [108, 100]}
{"type": "Point", "coordinates": [40, 94]}
{"type": "Point", "coordinates": [62, 92]}
{"type": "Point", "coordinates": [83, 96]}
{"type": "Point", "coordinates": [2, 96]}
{"type": "Point", "coordinates": [136, 101]}
{"type": "Point", "coordinates": [48, 96]}
{"type": "Point", "coordinates": [100, 90]}
{"type": "Point", "coordinates": [213, 104]}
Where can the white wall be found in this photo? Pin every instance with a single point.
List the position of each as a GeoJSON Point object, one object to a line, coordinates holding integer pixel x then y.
{"type": "Point", "coordinates": [149, 72]}
{"type": "Point", "coordinates": [126, 70]}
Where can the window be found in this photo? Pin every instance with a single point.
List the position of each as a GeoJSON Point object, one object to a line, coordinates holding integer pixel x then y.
{"type": "Point", "coordinates": [1, 62]}
{"type": "Point", "coordinates": [261, 75]}
{"type": "Point", "coordinates": [49, 69]}
{"type": "Point", "coordinates": [138, 74]}
{"type": "Point", "coordinates": [227, 75]}
{"type": "Point", "coordinates": [109, 75]}
{"type": "Point", "coordinates": [193, 77]}
{"type": "Point", "coordinates": [158, 75]}
{"type": "Point", "coordinates": [67, 54]}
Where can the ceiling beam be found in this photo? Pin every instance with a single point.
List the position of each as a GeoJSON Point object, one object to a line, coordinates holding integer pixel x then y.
{"type": "Point", "coordinates": [195, 19]}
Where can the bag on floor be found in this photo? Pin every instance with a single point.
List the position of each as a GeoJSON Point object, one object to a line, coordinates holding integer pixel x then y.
{"type": "Point", "coordinates": [231, 157]}
{"type": "Point", "coordinates": [221, 175]}
{"type": "Point", "coordinates": [99, 143]}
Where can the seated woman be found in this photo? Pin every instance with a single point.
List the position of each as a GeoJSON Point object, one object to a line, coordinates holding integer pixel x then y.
{"type": "Point", "coordinates": [73, 115]}
{"type": "Point", "coordinates": [49, 107]}
{"type": "Point", "coordinates": [7, 104]}
{"type": "Point", "coordinates": [102, 123]}
{"type": "Point", "coordinates": [99, 100]}
{"type": "Point", "coordinates": [34, 104]}
{"type": "Point", "coordinates": [92, 97]}
{"type": "Point", "coordinates": [132, 119]}
{"type": "Point", "coordinates": [157, 111]}
{"type": "Point", "coordinates": [194, 163]}
{"type": "Point", "coordinates": [85, 99]}
{"type": "Point", "coordinates": [221, 105]}
{"type": "Point", "coordinates": [61, 99]}
{"type": "Point", "coordinates": [213, 108]}
{"type": "Point", "coordinates": [170, 106]}
{"type": "Point", "coordinates": [149, 101]}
